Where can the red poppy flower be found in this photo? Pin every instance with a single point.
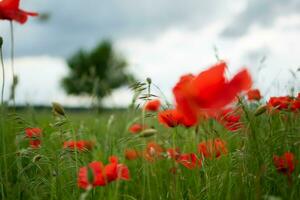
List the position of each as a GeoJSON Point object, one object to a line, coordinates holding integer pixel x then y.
{"type": "Point", "coordinates": [173, 153]}
{"type": "Point", "coordinates": [153, 151]}
{"type": "Point", "coordinates": [209, 91]}
{"type": "Point", "coordinates": [212, 148]}
{"type": "Point", "coordinates": [33, 132]}
{"type": "Point", "coordinates": [115, 171]}
{"type": "Point", "coordinates": [131, 154]}
{"type": "Point", "coordinates": [285, 164]}
{"type": "Point", "coordinates": [9, 10]}
{"type": "Point", "coordinates": [34, 135]}
{"type": "Point", "coordinates": [96, 178]}
{"type": "Point", "coordinates": [35, 143]}
{"type": "Point", "coordinates": [230, 119]}
{"type": "Point", "coordinates": [152, 105]}
{"type": "Point", "coordinates": [280, 103]}
{"type": "Point", "coordinates": [136, 128]}
{"type": "Point", "coordinates": [254, 94]}
{"type": "Point", "coordinates": [96, 174]}
{"type": "Point", "coordinates": [189, 160]}
{"type": "Point", "coordinates": [170, 118]}
{"type": "Point", "coordinates": [81, 145]}
{"type": "Point", "coordinates": [295, 105]}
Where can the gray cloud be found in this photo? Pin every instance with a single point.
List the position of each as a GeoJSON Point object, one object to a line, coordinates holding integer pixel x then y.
{"type": "Point", "coordinates": [76, 23]}
{"type": "Point", "coordinates": [260, 12]}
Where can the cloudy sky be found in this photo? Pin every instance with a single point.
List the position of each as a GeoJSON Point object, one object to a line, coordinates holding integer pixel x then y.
{"type": "Point", "coordinates": [161, 39]}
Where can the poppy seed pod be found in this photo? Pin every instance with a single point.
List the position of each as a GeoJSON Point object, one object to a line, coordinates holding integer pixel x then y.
{"type": "Point", "coordinates": [148, 132]}
{"type": "Point", "coordinates": [58, 109]}
{"type": "Point", "coordinates": [1, 42]}
{"type": "Point", "coordinates": [149, 81]}
{"type": "Point", "coordinates": [260, 110]}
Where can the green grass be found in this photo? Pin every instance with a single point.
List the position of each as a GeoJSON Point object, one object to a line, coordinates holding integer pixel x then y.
{"type": "Point", "coordinates": [246, 172]}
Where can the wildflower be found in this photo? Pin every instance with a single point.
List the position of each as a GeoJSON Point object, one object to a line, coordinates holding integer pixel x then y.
{"type": "Point", "coordinates": [295, 105]}
{"type": "Point", "coordinates": [230, 119]}
{"type": "Point", "coordinates": [94, 178]}
{"type": "Point", "coordinates": [173, 153]}
{"type": "Point", "coordinates": [35, 143]}
{"type": "Point", "coordinates": [136, 128]}
{"type": "Point", "coordinates": [212, 148]}
{"type": "Point", "coordinates": [280, 103]}
{"type": "Point", "coordinates": [152, 105]}
{"type": "Point", "coordinates": [80, 145]}
{"type": "Point", "coordinates": [209, 91]}
{"type": "Point", "coordinates": [34, 135]}
{"type": "Point", "coordinates": [189, 160]}
{"type": "Point", "coordinates": [131, 154]}
{"type": "Point", "coordinates": [254, 95]}
{"type": "Point", "coordinates": [33, 132]}
{"type": "Point", "coordinates": [285, 164]}
{"type": "Point", "coordinates": [170, 118]}
{"type": "Point", "coordinates": [9, 10]}
{"type": "Point", "coordinates": [96, 174]}
{"type": "Point", "coordinates": [153, 151]}
{"type": "Point", "coordinates": [115, 170]}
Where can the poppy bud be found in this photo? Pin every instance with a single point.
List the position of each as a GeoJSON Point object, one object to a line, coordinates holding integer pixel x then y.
{"type": "Point", "coordinates": [36, 158]}
{"type": "Point", "coordinates": [260, 110]}
{"type": "Point", "coordinates": [1, 41]}
{"type": "Point", "coordinates": [149, 81]}
{"type": "Point", "coordinates": [148, 132]}
{"type": "Point", "coordinates": [58, 109]}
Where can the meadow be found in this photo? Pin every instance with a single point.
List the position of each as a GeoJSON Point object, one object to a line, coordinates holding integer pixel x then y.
{"type": "Point", "coordinates": [242, 167]}
{"type": "Point", "coordinates": [219, 138]}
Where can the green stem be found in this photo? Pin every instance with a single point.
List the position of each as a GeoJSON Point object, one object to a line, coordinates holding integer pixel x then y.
{"type": "Point", "coordinates": [3, 77]}
{"type": "Point", "coordinates": [12, 61]}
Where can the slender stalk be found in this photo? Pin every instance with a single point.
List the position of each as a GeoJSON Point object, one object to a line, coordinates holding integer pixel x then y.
{"type": "Point", "coordinates": [3, 76]}
{"type": "Point", "coordinates": [2, 123]}
{"type": "Point", "coordinates": [12, 61]}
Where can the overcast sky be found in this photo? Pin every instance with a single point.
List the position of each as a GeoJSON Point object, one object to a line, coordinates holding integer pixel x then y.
{"type": "Point", "coordinates": [161, 40]}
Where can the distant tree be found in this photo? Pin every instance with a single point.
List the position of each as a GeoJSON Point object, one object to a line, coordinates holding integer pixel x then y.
{"type": "Point", "coordinates": [96, 73]}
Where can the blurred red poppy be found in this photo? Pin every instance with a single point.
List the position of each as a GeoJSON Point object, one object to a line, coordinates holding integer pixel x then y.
{"type": "Point", "coordinates": [209, 91]}
{"type": "Point", "coordinates": [35, 143]}
{"type": "Point", "coordinates": [212, 148]}
{"type": "Point", "coordinates": [92, 175]}
{"type": "Point", "coordinates": [152, 105]}
{"type": "Point", "coordinates": [34, 135]}
{"type": "Point", "coordinates": [131, 154]}
{"type": "Point", "coordinates": [136, 128]}
{"type": "Point", "coordinates": [153, 151]}
{"type": "Point", "coordinates": [189, 160]}
{"type": "Point", "coordinates": [285, 164]}
{"type": "Point", "coordinates": [33, 132]}
{"type": "Point", "coordinates": [280, 103]}
{"type": "Point", "coordinates": [173, 153]}
{"type": "Point", "coordinates": [230, 119]}
{"type": "Point", "coordinates": [96, 174]}
{"type": "Point", "coordinates": [254, 95]}
{"type": "Point", "coordinates": [80, 145]}
{"type": "Point", "coordinates": [295, 104]}
{"type": "Point", "coordinates": [170, 118]}
{"type": "Point", "coordinates": [9, 10]}
{"type": "Point", "coordinates": [115, 171]}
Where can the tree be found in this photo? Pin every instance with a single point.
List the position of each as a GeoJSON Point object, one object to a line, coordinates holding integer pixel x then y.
{"type": "Point", "coordinates": [96, 73]}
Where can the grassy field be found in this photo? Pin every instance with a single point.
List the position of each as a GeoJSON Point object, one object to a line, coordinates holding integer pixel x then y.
{"type": "Point", "coordinates": [246, 171]}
